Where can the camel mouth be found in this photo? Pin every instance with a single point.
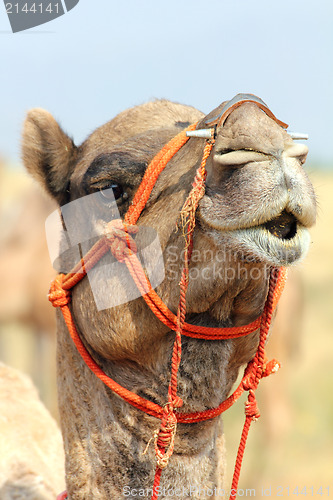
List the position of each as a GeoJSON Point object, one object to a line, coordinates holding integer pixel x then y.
{"type": "Point", "coordinates": [280, 241]}
{"type": "Point", "coordinates": [284, 226]}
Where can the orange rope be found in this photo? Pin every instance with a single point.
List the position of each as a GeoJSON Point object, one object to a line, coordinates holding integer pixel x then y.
{"type": "Point", "coordinates": [154, 169]}
{"type": "Point", "coordinates": [251, 381]}
{"type": "Point", "coordinates": [152, 299]}
{"type": "Point", "coordinates": [132, 262]}
{"type": "Point", "coordinates": [164, 447]}
{"type": "Point", "coordinates": [150, 408]}
{"type": "Point", "coordinates": [118, 239]}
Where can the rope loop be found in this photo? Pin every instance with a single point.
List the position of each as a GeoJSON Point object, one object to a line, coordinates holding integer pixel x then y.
{"type": "Point", "coordinates": [248, 381]}
{"type": "Point", "coordinates": [57, 295]}
{"type": "Point", "coordinates": [117, 235]}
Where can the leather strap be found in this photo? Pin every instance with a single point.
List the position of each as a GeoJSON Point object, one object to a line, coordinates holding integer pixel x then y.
{"type": "Point", "coordinates": [237, 101]}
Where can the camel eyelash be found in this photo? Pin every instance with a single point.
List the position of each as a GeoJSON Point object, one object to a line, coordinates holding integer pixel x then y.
{"type": "Point", "coordinates": [111, 193]}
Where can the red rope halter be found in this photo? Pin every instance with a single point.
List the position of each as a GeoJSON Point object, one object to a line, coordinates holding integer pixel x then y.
{"type": "Point", "coordinates": [118, 239]}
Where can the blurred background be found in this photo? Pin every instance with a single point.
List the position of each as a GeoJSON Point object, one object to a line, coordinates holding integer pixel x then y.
{"type": "Point", "coordinates": [103, 57]}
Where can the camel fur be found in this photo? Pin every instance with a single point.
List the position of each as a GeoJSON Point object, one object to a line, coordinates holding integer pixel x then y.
{"type": "Point", "coordinates": [32, 457]}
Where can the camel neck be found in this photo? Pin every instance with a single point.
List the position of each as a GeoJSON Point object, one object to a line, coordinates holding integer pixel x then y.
{"type": "Point", "coordinates": [113, 436]}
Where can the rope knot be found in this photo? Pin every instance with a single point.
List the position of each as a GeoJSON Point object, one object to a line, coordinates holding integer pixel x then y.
{"type": "Point", "coordinates": [177, 402]}
{"type": "Point", "coordinates": [57, 295]}
{"type": "Point", "coordinates": [249, 375]}
{"type": "Point", "coordinates": [270, 367]}
{"type": "Point", "coordinates": [251, 406]}
{"type": "Point", "coordinates": [165, 437]}
{"type": "Point", "coordinates": [117, 234]}
{"type": "Point", "coordinates": [248, 382]}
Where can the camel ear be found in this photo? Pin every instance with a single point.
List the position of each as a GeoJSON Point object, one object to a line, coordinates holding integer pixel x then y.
{"type": "Point", "coordinates": [48, 153]}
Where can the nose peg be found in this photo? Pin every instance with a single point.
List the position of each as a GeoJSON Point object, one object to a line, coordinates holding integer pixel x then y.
{"type": "Point", "coordinates": [202, 133]}
{"type": "Point", "coordinates": [297, 136]}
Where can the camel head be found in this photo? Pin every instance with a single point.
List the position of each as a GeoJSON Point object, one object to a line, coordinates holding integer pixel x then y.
{"type": "Point", "coordinates": [256, 211]}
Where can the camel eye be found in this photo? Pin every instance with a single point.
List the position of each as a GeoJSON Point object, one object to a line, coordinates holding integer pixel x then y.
{"type": "Point", "coordinates": [113, 192]}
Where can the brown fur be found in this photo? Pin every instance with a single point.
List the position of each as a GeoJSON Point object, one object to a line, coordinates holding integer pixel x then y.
{"type": "Point", "coordinates": [105, 437]}
{"type": "Point", "coordinates": [31, 458]}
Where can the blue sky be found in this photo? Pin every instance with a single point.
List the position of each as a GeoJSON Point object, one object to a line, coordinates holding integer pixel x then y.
{"type": "Point", "coordinates": [105, 56]}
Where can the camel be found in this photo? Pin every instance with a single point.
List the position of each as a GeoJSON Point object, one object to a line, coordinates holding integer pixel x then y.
{"type": "Point", "coordinates": [23, 255]}
{"type": "Point", "coordinates": [23, 249]}
{"type": "Point", "coordinates": [255, 214]}
{"type": "Point", "coordinates": [32, 458]}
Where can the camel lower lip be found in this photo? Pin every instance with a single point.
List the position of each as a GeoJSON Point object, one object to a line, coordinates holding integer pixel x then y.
{"type": "Point", "coordinates": [265, 244]}
{"type": "Point", "coordinates": [268, 247]}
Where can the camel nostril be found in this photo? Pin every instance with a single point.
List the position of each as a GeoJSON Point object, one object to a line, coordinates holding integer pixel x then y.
{"type": "Point", "coordinates": [239, 157]}
{"type": "Point", "coordinates": [296, 151]}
